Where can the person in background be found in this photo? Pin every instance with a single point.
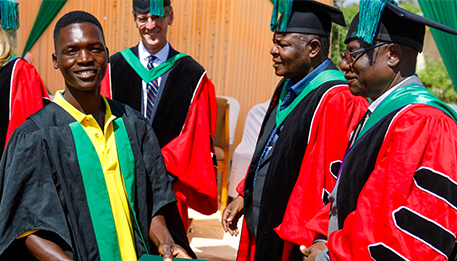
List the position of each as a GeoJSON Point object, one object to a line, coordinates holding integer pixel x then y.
{"type": "Point", "coordinates": [83, 178]}
{"type": "Point", "coordinates": [395, 195]}
{"type": "Point", "coordinates": [22, 92]}
{"type": "Point", "coordinates": [302, 139]}
{"type": "Point", "coordinates": [176, 97]}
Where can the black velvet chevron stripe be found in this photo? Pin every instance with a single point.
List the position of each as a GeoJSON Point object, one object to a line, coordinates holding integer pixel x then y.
{"type": "Point", "coordinates": [381, 252]}
{"type": "Point", "coordinates": [325, 195]}
{"type": "Point", "coordinates": [425, 230]}
{"type": "Point", "coordinates": [437, 184]}
{"type": "Point", "coordinates": [335, 168]}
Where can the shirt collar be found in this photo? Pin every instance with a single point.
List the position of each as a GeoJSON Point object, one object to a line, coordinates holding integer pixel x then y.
{"type": "Point", "coordinates": [301, 85]}
{"type": "Point", "coordinates": [161, 56]}
{"type": "Point", "coordinates": [413, 79]}
{"type": "Point", "coordinates": [75, 113]}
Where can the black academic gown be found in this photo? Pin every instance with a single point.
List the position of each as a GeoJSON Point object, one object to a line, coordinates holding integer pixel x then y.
{"type": "Point", "coordinates": [126, 87]}
{"type": "Point", "coordinates": [42, 187]}
{"type": "Point", "coordinates": [186, 101]}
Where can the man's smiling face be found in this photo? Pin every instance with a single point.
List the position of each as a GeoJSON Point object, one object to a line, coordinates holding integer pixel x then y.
{"type": "Point", "coordinates": [81, 56]}
{"type": "Point", "coordinates": [153, 30]}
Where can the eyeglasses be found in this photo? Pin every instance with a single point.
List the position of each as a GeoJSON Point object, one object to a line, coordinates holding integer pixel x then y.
{"type": "Point", "coordinates": [142, 20]}
{"type": "Point", "coordinates": [349, 57]}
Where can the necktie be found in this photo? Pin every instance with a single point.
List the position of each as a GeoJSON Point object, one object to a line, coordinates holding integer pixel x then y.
{"type": "Point", "coordinates": [152, 89]}
{"type": "Point", "coordinates": [288, 99]}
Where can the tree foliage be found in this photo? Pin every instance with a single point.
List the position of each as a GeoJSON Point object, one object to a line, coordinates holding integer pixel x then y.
{"type": "Point", "coordinates": [339, 32]}
{"type": "Point", "coordinates": [436, 79]}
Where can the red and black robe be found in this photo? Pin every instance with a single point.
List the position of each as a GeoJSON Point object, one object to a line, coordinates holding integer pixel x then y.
{"type": "Point", "coordinates": [185, 122]}
{"type": "Point", "coordinates": [22, 93]}
{"type": "Point", "coordinates": [325, 117]}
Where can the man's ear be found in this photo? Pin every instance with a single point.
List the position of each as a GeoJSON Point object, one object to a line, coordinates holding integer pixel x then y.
{"type": "Point", "coordinates": [394, 53]}
{"type": "Point", "coordinates": [54, 61]}
{"type": "Point", "coordinates": [107, 53]}
{"type": "Point", "coordinates": [171, 17]}
{"type": "Point", "coordinates": [315, 46]}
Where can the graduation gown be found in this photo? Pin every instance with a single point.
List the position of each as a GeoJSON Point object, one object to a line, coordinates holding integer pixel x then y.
{"type": "Point", "coordinates": [184, 122]}
{"type": "Point", "coordinates": [22, 93]}
{"type": "Point", "coordinates": [42, 185]}
{"type": "Point", "coordinates": [397, 189]}
{"type": "Point", "coordinates": [302, 139]}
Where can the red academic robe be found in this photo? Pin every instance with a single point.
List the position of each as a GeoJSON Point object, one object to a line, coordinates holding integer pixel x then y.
{"type": "Point", "coordinates": [407, 207]}
{"type": "Point", "coordinates": [334, 120]}
{"type": "Point", "coordinates": [27, 93]}
{"type": "Point", "coordinates": [393, 215]}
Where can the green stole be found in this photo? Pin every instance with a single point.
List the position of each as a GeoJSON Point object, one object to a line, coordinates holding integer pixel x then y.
{"type": "Point", "coordinates": [321, 78]}
{"type": "Point", "coordinates": [95, 185]}
{"type": "Point", "coordinates": [403, 96]}
{"type": "Point", "coordinates": [153, 73]}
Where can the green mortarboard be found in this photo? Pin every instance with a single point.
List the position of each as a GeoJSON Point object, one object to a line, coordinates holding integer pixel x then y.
{"type": "Point", "coordinates": [9, 14]}
{"type": "Point", "coordinates": [155, 7]}
{"type": "Point", "coordinates": [385, 21]}
{"type": "Point", "coordinates": [305, 16]}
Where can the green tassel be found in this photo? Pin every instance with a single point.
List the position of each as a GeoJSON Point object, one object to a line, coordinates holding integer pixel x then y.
{"type": "Point", "coordinates": [369, 16]}
{"type": "Point", "coordinates": [285, 8]}
{"type": "Point", "coordinates": [156, 8]}
{"type": "Point", "coordinates": [9, 14]}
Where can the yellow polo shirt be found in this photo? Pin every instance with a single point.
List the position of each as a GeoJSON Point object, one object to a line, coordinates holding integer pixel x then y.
{"type": "Point", "coordinates": [105, 145]}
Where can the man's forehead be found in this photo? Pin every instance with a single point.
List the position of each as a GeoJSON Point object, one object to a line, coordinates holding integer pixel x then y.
{"type": "Point", "coordinates": [78, 31]}
{"type": "Point", "coordinates": [284, 36]}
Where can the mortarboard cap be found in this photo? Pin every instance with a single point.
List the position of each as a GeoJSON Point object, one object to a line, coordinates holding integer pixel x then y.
{"type": "Point", "coordinates": [9, 14]}
{"type": "Point", "coordinates": [155, 7]}
{"type": "Point", "coordinates": [306, 16]}
{"type": "Point", "coordinates": [395, 25]}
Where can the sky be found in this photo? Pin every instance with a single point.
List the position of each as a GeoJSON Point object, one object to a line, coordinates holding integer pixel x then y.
{"type": "Point", "coordinates": [348, 2]}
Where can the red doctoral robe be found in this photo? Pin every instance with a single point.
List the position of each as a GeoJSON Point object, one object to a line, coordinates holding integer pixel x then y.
{"type": "Point", "coordinates": [23, 92]}
{"type": "Point", "coordinates": [335, 118]}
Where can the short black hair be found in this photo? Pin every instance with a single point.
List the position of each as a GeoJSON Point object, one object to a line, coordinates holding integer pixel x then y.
{"type": "Point", "coordinates": [76, 17]}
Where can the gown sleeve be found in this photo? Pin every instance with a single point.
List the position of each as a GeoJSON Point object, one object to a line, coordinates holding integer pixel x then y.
{"type": "Point", "coordinates": [189, 156]}
{"type": "Point", "coordinates": [407, 208]}
{"type": "Point", "coordinates": [29, 199]}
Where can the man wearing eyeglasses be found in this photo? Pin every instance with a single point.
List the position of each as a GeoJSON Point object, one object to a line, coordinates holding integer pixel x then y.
{"type": "Point", "coordinates": [302, 140]}
{"type": "Point", "coordinates": [395, 197]}
{"type": "Point", "coordinates": [174, 94]}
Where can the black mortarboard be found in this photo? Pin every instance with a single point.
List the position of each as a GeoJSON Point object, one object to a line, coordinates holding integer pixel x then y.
{"type": "Point", "coordinates": [395, 25]}
{"type": "Point", "coordinates": [307, 17]}
{"type": "Point", "coordinates": [155, 7]}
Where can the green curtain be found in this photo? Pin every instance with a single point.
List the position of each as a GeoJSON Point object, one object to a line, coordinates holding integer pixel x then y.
{"type": "Point", "coordinates": [444, 12]}
{"type": "Point", "coordinates": [48, 11]}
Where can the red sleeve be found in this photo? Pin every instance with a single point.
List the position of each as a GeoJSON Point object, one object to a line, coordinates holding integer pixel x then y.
{"type": "Point", "coordinates": [27, 94]}
{"type": "Point", "coordinates": [407, 208]}
{"type": "Point", "coordinates": [188, 156]}
{"type": "Point", "coordinates": [334, 120]}
{"type": "Point", "coordinates": [318, 225]}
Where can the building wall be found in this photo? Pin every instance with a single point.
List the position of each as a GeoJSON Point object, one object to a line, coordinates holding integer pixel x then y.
{"type": "Point", "coordinates": [230, 38]}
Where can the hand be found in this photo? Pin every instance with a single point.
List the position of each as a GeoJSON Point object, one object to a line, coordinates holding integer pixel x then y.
{"type": "Point", "coordinates": [311, 252]}
{"type": "Point", "coordinates": [168, 251]}
{"type": "Point", "coordinates": [231, 214]}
